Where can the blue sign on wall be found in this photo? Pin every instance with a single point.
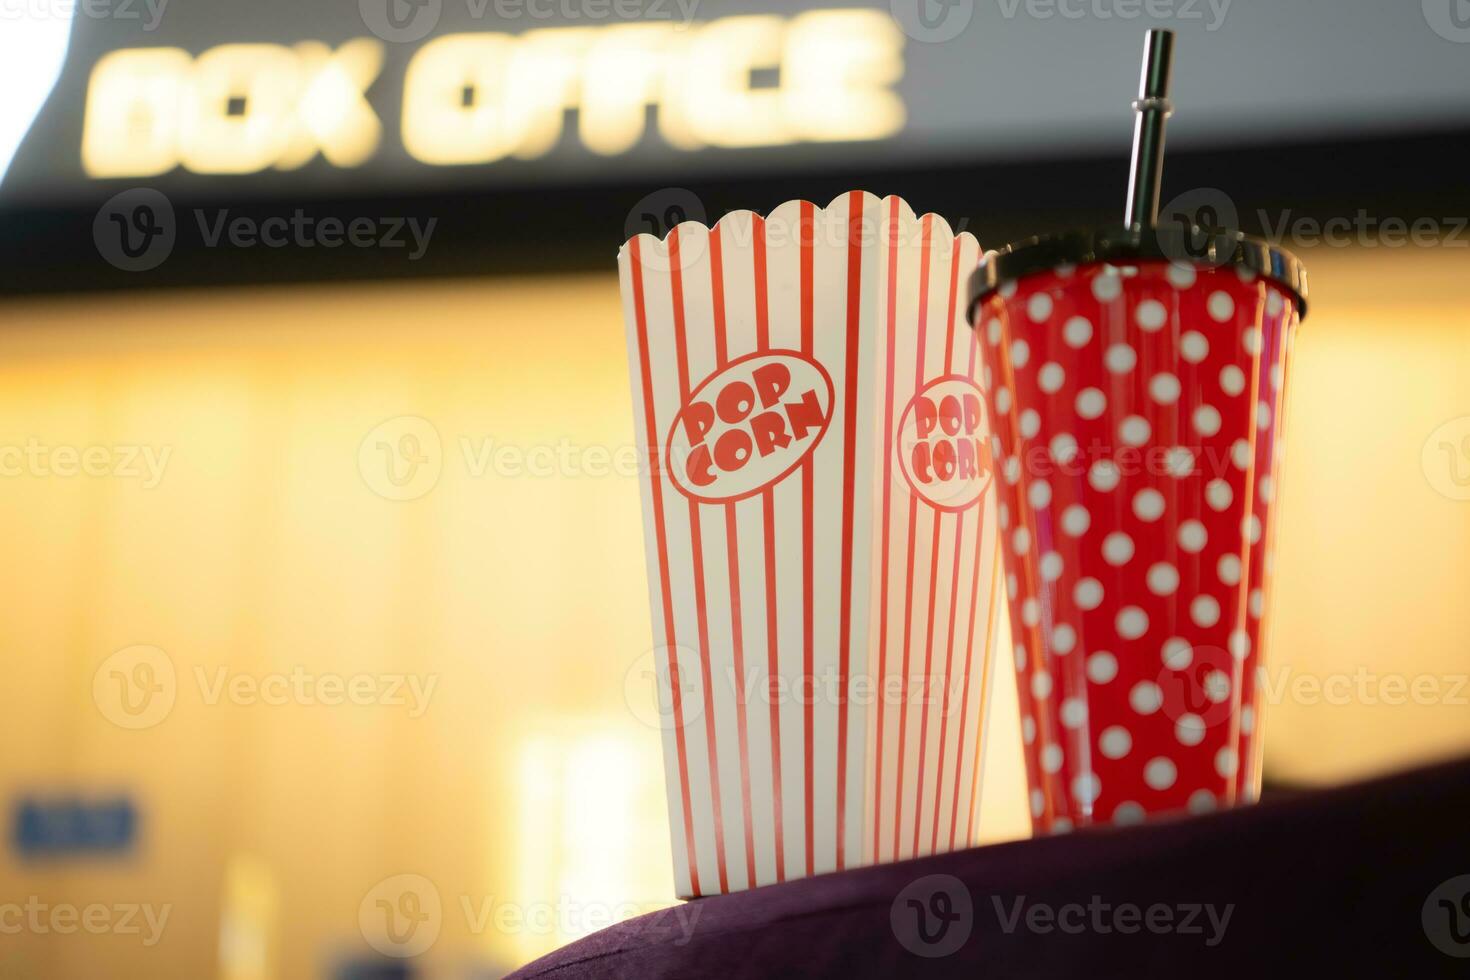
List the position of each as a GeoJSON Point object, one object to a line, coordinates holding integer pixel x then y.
{"type": "Point", "coordinates": [70, 826]}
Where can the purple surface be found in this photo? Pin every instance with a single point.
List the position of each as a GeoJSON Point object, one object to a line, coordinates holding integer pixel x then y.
{"type": "Point", "coordinates": [1333, 883]}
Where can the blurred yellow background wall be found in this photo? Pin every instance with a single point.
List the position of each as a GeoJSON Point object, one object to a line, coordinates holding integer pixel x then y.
{"type": "Point", "coordinates": [432, 482]}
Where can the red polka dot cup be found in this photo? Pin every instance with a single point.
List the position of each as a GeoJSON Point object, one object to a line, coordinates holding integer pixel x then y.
{"type": "Point", "coordinates": [1137, 404]}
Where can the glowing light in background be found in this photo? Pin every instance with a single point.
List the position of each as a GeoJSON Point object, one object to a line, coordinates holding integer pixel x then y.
{"type": "Point", "coordinates": [33, 43]}
{"type": "Point", "coordinates": [593, 841]}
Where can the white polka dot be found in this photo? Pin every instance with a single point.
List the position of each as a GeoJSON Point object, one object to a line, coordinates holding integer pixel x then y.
{"type": "Point", "coordinates": [1226, 762]}
{"type": "Point", "coordinates": [1266, 488]}
{"type": "Point", "coordinates": [1148, 505]}
{"type": "Point", "coordinates": [1074, 712]}
{"type": "Point", "coordinates": [1218, 493]}
{"type": "Point", "coordinates": [1221, 306]}
{"type": "Point", "coordinates": [1179, 462]}
{"type": "Point", "coordinates": [1163, 578]}
{"type": "Point", "coordinates": [1005, 515]}
{"type": "Point", "coordinates": [1063, 639]}
{"type": "Point", "coordinates": [1061, 825]}
{"type": "Point", "coordinates": [1076, 520]}
{"type": "Point", "coordinates": [1134, 430]}
{"type": "Point", "coordinates": [1232, 380]}
{"type": "Point", "coordinates": [1204, 610]}
{"type": "Point", "coordinates": [1189, 729]}
{"type": "Point", "coordinates": [1088, 593]}
{"type": "Point", "coordinates": [1090, 403]}
{"type": "Point", "coordinates": [1030, 423]}
{"type": "Point", "coordinates": [1117, 548]}
{"type": "Point", "coordinates": [1201, 801]}
{"type": "Point", "coordinates": [1255, 601]}
{"type": "Point", "coordinates": [1176, 653]}
{"type": "Point", "coordinates": [1041, 684]}
{"type": "Point", "coordinates": [1159, 773]}
{"type": "Point", "coordinates": [1193, 347]}
{"type": "Point", "coordinates": [1164, 388]}
{"type": "Point", "coordinates": [1021, 540]}
{"type": "Point", "coordinates": [1278, 375]}
{"type": "Point", "coordinates": [1274, 303]}
{"type": "Point", "coordinates": [992, 332]}
{"type": "Point", "coordinates": [1240, 644]}
{"type": "Point", "coordinates": [1182, 276]}
{"type": "Point", "coordinates": [988, 377]}
{"type": "Point", "coordinates": [1128, 814]}
{"type": "Point", "coordinates": [1063, 448]}
{"type": "Point", "coordinates": [1131, 622]}
{"type": "Point", "coordinates": [1120, 358]}
{"type": "Point", "coordinates": [1050, 377]}
{"type": "Point", "coordinates": [1207, 420]}
{"type": "Point", "coordinates": [1251, 528]}
{"type": "Point", "coordinates": [1250, 339]}
{"type": "Point", "coordinates": [1007, 289]}
{"type": "Point", "coordinates": [1039, 494]}
{"type": "Point", "coordinates": [1217, 686]}
{"type": "Point", "coordinates": [1115, 742]}
{"type": "Point", "coordinates": [1245, 273]}
{"type": "Point", "coordinates": [1065, 271]}
{"type": "Point", "coordinates": [1051, 758]}
{"type": "Point", "coordinates": [1240, 453]}
{"type": "Point", "coordinates": [1192, 536]}
{"type": "Point", "coordinates": [1077, 331]}
{"type": "Point", "coordinates": [1102, 667]}
{"type": "Point", "coordinates": [1263, 416]}
{"type": "Point", "coordinates": [1031, 611]}
{"type": "Point", "coordinates": [1150, 315]}
{"type": "Point", "coordinates": [1002, 400]}
{"type": "Point", "coordinates": [1104, 475]}
{"type": "Point", "coordinates": [1228, 568]}
{"type": "Point", "coordinates": [1247, 719]}
{"type": "Point", "coordinates": [1028, 729]}
{"type": "Point", "coordinates": [1011, 585]}
{"type": "Point", "coordinates": [1145, 698]}
{"type": "Point", "coordinates": [1051, 566]}
{"type": "Point", "coordinates": [1013, 470]}
{"type": "Point", "coordinates": [1038, 803]}
{"type": "Point", "coordinates": [1086, 787]}
{"type": "Point", "coordinates": [1020, 353]}
{"type": "Point", "coordinates": [1106, 285]}
{"type": "Point", "coordinates": [1038, 307]}
{"type": "Point", "coordinates": [1020, 652]}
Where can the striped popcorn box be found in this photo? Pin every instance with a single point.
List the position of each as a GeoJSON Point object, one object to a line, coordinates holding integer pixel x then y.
{"type": "Point", "coordinates": [820, 532]}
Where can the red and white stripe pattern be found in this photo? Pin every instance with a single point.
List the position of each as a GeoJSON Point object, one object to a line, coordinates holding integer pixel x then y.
{"type": "Point", "coordinates": [823, 639]}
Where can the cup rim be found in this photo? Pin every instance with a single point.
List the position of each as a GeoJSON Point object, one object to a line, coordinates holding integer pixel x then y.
{"type": "Point", "coordinates": [1043, 253]}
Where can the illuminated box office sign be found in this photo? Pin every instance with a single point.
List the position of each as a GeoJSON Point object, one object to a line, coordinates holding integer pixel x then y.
{"type": "Point", "coordinates": [482, 97]}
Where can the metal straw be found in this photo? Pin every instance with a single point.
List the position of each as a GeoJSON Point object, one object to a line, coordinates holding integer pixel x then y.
{"type": "Point", "coordinates": [1152, 108]}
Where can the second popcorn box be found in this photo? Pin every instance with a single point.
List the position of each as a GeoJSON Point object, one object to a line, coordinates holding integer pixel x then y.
{"type": "Point", "coordinates": [819, 516]}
